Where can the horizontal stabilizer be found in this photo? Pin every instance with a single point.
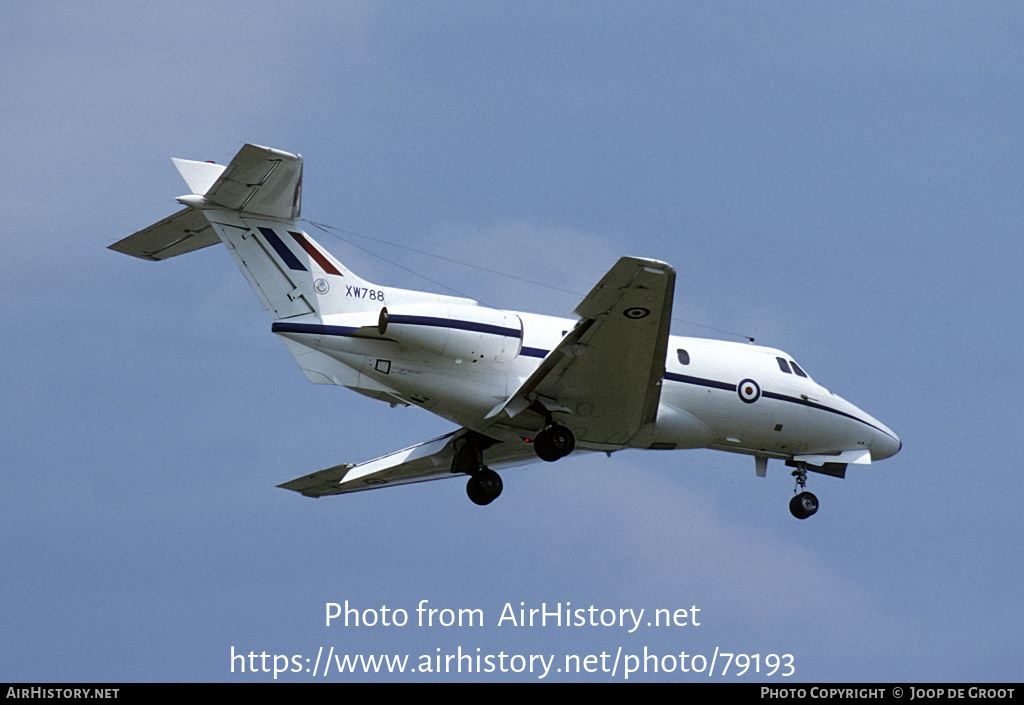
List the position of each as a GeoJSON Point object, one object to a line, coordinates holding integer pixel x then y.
{"type": "Point", "coordinates": [261, 181]}
{"type": "Point", "coordinates": [182, 232]}
{"type": "Point", "coordinates": [258, 181]}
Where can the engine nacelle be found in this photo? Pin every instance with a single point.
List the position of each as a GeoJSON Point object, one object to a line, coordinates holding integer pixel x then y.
{"type": "Point", "coordinates": [459, 332]}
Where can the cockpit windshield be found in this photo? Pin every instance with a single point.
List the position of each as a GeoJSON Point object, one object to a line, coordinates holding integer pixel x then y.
{"type": "Point", "coordinates": [790, 367]}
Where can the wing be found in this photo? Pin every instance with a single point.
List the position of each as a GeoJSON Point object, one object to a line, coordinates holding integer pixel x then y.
{"type": "Point", "coordinates": [604, 377]}
{"type": "Point", "coordinates": [427, 461]}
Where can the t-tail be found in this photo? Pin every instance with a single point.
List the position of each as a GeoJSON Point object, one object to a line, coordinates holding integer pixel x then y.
{"type": "Point", "coordinates": [253, 206]}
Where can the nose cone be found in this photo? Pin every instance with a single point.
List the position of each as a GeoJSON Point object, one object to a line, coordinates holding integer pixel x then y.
{"type": "Point", "coordinates": [885, 443]}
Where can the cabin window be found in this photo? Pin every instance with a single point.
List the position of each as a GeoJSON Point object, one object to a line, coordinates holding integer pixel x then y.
{"type": "Point", "coordinates": [796, 368]}
{"type": "Point", "coordinates": [684, 357]}
{"type": "Point", "coordinates": [783, 365]}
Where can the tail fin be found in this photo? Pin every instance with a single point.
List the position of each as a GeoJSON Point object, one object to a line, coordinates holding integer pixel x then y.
{"type": "Point", "coordinates": [259, 181]}
{"type": "Point", "coordinates": [290, 272]}
{"type": "Point", "coordinates": [253, 206]}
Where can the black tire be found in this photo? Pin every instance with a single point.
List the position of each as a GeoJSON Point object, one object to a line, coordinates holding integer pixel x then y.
{"type": "Point", "coordinates": [553, 443]}
{"type": "Point", "coordinates": [484, 487]}
{"type": "Point", "coordinates": [803, 505]}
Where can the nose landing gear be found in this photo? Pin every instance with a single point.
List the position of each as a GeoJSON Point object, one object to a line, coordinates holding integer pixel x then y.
{"type": "Point", "coordinates": [803, 504]}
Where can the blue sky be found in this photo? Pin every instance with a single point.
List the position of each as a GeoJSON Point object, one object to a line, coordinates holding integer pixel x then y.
{"type": "Point", "coordinates": [844, 183]}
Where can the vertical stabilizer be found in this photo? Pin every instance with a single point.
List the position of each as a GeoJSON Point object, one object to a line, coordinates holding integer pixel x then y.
{"type": "Point", "coordinates": [292, 274]}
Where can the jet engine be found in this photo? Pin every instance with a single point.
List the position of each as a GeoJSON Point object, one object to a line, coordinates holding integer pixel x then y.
{"type": "Point", "coordinates": [460, 332]}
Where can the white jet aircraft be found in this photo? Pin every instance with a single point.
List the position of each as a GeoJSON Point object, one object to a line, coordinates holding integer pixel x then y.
{"type": "Point", "coordinates": [520, 386]}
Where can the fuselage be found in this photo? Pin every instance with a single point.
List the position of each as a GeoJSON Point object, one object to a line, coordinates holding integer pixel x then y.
{"type": "Point", "coordinates": [715, 394]}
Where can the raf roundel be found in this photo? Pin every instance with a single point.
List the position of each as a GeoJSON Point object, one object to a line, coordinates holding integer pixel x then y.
{"type": "Point", "coordinates": [749, 391]}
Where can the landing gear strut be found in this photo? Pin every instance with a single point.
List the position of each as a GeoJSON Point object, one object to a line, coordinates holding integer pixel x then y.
{"type": "Point", "coordinates": [803, 504]}
{"type": "Point", "coordinates": [484, 484]}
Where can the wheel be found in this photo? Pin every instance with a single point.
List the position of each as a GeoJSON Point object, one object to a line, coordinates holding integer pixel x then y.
{"type": "Point", "coordinates": [803, 505]}
{"type": "Point", "coordinates": [484, 487]}
{"type": "Point", "coordinates": [553, 443]}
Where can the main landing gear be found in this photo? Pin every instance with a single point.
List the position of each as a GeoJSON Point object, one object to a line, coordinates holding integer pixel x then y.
{"type": "Point", "coordinates": [554, 442]}
{"type": "Point", "coordinates": [803, 504]}
{"type": "Point", "coordinates": [484, 484]}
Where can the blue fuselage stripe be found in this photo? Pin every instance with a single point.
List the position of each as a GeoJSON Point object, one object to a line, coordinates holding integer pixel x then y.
{"type": "Point", "coordinates": [431, 321]}
{"type": "Point", "coordinates": [714, 384]}
{"type": "Point", "coordinates": [686, 379]}
{"type": "Point", "coordinates": [816, 405]}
